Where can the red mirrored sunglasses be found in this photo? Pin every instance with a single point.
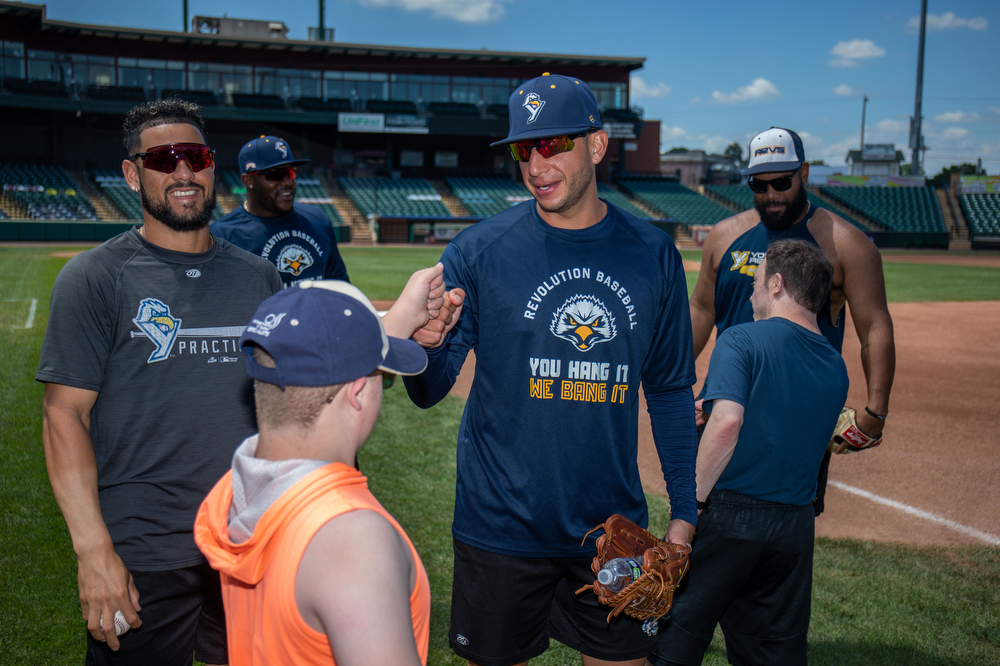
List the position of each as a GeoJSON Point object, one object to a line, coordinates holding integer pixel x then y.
{"type": "Point", "coordinates": [166, 158]}
{"type": "Point", "coordinates": [277, 174]}
{"type": "Point", "coordinates": [547, 147]}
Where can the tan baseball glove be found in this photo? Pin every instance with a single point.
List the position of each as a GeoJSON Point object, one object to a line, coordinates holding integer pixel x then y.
{"type": "Point", "coordinates": [847, 430]}
{"type": "Point", "coordinates": [663, 566]}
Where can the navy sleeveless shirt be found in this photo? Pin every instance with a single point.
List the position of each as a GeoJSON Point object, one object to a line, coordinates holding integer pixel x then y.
{"type": "Point", "coordinates": [734, 279]}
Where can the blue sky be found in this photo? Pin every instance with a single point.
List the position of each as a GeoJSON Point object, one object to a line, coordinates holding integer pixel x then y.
{"type": "Point", "coordinates": [715, 72]}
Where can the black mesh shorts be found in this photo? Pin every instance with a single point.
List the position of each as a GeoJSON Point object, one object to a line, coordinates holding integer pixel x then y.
{"type": "Point", "coordinates": [504, 609]}
{"type": "Point", "coordinates": [182, 615]}
{"type": "Point", "coordinates": [751, 573]}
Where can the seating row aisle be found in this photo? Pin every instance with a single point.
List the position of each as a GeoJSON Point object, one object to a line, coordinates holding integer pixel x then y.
{"type": "Point", "coordinates": [484, 197]}
{"type": "Point", "coordinates": [45, 192]}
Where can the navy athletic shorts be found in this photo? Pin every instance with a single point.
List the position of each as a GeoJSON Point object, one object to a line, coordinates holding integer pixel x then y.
{"type": "Point", "coordinates": [182, 615]}
{"type": "Point", "coordinates": [751, 572]}
{"type": "Point", "coordinates": [504, 609]}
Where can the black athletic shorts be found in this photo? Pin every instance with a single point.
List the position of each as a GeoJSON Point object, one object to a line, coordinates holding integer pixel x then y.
{"type": "Point", "coordinates": [751, 572]}
{"type": "Point", "coordinates": [504, 609]}
{"type": "Point", "coordinates": [182, 615]}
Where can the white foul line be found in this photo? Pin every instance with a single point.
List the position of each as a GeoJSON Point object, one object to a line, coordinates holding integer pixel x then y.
{"type": "Point", "coordinates": [926, 515]}
{"type": "Point", "coordinates": [31, 313]}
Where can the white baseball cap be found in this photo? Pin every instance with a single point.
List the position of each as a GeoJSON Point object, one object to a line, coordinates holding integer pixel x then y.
{"type": "Point", "coordinates": [776, 149]}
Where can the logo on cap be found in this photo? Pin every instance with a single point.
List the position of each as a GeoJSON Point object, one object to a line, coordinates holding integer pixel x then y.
{"type": "Point", "coordinates": [265, 327]}
{"type": "Point", "coordinates": [282, 147]}
{"type": "Point", "coordinates": [780, 150]}
{"type": "Point", "coordinates": [250, 165]}
{"type": "Point", "coordinates": [533, 105]}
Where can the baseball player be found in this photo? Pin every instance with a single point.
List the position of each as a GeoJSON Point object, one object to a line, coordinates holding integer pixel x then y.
{"type": "Point", "coordinates": [314, 569]}
{"type": "Point", "coordinates": [570, 305]}
{"type": "Point", "coordinates": [775, 388]}
{"type": "Point", "coordinates": [144, 393]}
{"type": "Point", "coordinates": [778, 175]}
{"type": "Point", "coordinates": [297, 238]}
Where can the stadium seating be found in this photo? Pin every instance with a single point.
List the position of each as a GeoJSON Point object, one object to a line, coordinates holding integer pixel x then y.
{"type": "Point", "coordinates": [396, 197]}
{"type": "Point", "coordinates": [4, 215]}
{"type": "Point", "coordinates": [45, 193]}
{"type": "Point", "coordinates": [484, 197]}
{"type": "Point", "coordinates": [498, 110]}
{"type": "Point", "coordinates": [613, 196]}
{"type": "Point", "coordinates": [45, 88]}
{"type": "Point", "coordinates": [912, 209]}
{"type": "Point", "coordinates": [674, 200]}
{"type": "Point", "coordinates": [117, 191]}
{"type": "Point", "coordinates": [307, 190]}
{"type": "Point", "coordinates": [982, 211]}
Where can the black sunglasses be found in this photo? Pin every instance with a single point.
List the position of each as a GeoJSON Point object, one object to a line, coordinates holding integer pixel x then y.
{"type": "Point", "coordinates": [388, 379]}
{"type": "Point", "coordinates": [779, 184]}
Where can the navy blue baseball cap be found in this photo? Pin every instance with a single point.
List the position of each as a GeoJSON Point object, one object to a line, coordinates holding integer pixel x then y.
{"type": "Point", "coordinates": [551, 105]}
{"type": "Point", "coordinates": [265, 153]}
{"type": "Point", "coordinates": [775, 149]}
{"type": "Point", "coordinates": [323, 332]}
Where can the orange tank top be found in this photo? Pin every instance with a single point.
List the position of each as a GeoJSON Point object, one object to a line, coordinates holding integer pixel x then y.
{"type": "Point", "coordinates": [258, 576]}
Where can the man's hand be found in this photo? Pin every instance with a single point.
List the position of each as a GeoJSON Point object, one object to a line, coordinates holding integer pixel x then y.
{"type": "Point", "coordinates": [700, 416]}
{"type": "Point", "coordinates": [106, 587]}
{"type": "Point", "coordinates": [680, 532]}
{"type": "Point", "coordinates": [435, 331]}
{"type": "Point", "coordinates": [420, 302]}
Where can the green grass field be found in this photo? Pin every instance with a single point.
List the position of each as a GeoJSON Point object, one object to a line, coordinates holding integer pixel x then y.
{"type": "Point", "coordinates": [873, 603]}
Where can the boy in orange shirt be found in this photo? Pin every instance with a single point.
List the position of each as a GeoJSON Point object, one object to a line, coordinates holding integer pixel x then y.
{"type": "Point", "coordinates": [314, 570]}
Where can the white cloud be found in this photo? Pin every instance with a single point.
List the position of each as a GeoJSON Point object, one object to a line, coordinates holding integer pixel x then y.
{"type": "Point", "coordinates": [890, 126]}
{"type": "Point", "coordinates": [956, 133]}
{"type": "Point", "coordinates": [715, 144]}
{"type": "Point", "coordinates": [668, 133]}
{"type": "Point", "coordinates": [956, 117]}
{"type": "Point", "coordinates": [695, 100]}
{"type": "Point", "coordinates": [849, 53]}
{"type": "Point", "coordinates": [463, 11]}
{"type": "Point", "coordinates": [845, 90]}
{"type": "Point", "coordinates": [947, 21]}
{"type": "Point", "coordinates": [639, 88]}
{"type": "Point", "coordinates": [760, 89]}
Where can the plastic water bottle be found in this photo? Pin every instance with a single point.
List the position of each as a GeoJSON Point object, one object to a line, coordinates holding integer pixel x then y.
{"type": "Point", "coordinates": [619, 573]}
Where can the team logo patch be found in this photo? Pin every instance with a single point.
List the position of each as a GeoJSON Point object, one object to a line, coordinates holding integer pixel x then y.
{"type": "Point", "coordinates": [769, 150]}
{"type": "Point", "coordinates": [533, 105]}
{"type": "Point", "coordinates": [155, 321]}
{"type": "Point", "coordinates": [746, 262]}
{"type": "Point", "coordinates": [281, 147]}
{"type": "Point", "coordinates": [250, 166]}
{"type": "Point", "coordinates": [265, 327]}
{"type": "Point", "coordinates": [651, 626]}
{"type": "Point", "coordinates": [294, 259]}
{"type": "Point", "coordinates": [192, 273]}
{"type": "Point", "coordinates": [583, 321]}
{"type": "Point", "coordinates": [461, 640]}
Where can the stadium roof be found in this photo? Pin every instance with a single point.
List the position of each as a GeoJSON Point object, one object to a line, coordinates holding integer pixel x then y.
{"type": "Point", "coordinates": [36, 14]}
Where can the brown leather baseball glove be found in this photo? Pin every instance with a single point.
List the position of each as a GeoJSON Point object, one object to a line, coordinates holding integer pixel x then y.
{"type": "Point", "coordinates": [663, 566]}
{"type": "Point", "coordinates": [847, 430]}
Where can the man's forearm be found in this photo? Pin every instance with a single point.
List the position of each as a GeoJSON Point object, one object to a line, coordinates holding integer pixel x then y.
{"type": "Point", "coordinates": [72, 468]}
{"type": "Point", "coordinates": [718, 444]}
{"type": "Point", "coordinates": [878, 359]}
{"type": "Point", "coordinates": [702, 323]}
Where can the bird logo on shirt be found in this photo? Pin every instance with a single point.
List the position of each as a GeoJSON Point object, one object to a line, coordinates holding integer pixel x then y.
{"type": "Point", "coordinates": [583, 321]}
{"type": "Point", "coordinates": [294, 259]}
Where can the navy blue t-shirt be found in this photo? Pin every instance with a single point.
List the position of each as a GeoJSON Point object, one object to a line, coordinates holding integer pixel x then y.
{"type": "Point", "coordinates": [734, 279]}
{"type": "Point", "coordinates": [792, 385]}
{"type": "Point", "coordinates": [300, 244]}
{"type": "Point", "coordinates": [565, 325]}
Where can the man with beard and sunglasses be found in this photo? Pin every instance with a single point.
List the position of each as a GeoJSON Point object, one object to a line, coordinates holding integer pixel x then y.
{"type": "Point", "coordinates": [297, 238]}
{"type": "Point", "coordinates": [778, 174]}
{"type": "Point", "coordinates": [146, 398]}
{"type": "Point", "coordinates": [572, 304]}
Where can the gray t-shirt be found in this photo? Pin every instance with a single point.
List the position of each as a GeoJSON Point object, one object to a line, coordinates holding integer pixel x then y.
{"type": "Point", "coordinates": [156, 334]}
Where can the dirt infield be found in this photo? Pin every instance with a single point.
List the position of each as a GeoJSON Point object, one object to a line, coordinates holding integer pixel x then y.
{"type": "Point", "coordinates": [939, 454]}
